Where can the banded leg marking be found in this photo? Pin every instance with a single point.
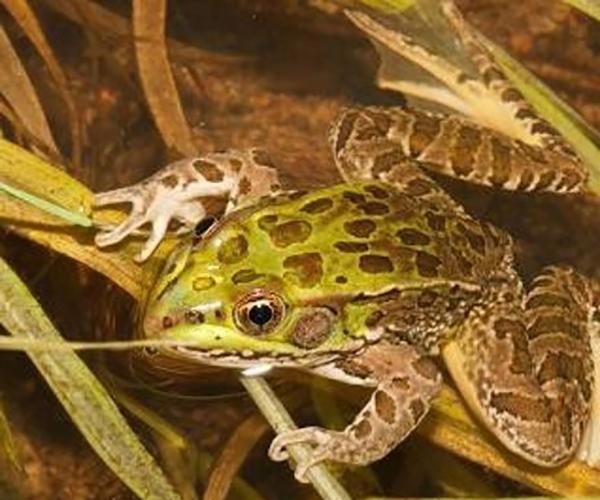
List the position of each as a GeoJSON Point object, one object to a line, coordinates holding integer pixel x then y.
{"type": "Point", "coordinates": [524, 365]}
{"type": "Point", "coordinates": [450, 145]}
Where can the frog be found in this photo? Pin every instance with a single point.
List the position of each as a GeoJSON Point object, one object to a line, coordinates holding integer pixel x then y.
{"type": "Point", "coordinates": [378, 279]}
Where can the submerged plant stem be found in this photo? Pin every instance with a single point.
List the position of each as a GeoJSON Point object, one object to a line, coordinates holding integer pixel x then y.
{"type": "Point", "coordinates": [275, 413]}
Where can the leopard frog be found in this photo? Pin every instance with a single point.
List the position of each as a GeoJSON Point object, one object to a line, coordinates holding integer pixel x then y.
{"type": "Point", "coordinates": [368, 281]}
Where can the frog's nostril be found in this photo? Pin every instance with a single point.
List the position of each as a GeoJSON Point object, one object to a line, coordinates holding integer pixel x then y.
{"type": "Point", "coordinates": [193, 316]}
{"type": "Point", "coordinates": [167, 322]}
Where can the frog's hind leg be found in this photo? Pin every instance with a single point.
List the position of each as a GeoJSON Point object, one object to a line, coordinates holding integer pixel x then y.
{"type": "Point", "coordinates": [501, 141]}
{"type": "Point", "coordinates": [449, 145]}
{"type": "Point", "coordinates": [524, 364]}
{"type": "Point", "coordinates": [365, 147]}
{"type": "Point", "coordinates": [179, 190]}
{"type": "Point", "coordinates": [406, 382]}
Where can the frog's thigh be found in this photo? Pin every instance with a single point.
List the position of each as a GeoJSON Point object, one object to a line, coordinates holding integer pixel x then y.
{"type": "Point", "coordinates": [363, 151]}
{"type": "Point", "coordinates": [407, 381]}
{"type": "Point", "coordinates": [527, 372]}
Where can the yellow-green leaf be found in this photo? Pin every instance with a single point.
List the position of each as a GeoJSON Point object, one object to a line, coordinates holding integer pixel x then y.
{"type": "Point", "coordinates": [83, 397]}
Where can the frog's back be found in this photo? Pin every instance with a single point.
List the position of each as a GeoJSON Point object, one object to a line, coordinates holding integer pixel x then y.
{"type": "Point", "coordinates": [365, 236]}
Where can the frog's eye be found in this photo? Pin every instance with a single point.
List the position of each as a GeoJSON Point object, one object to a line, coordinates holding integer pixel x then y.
{"type": "Point", "coordinates": [259, 312]}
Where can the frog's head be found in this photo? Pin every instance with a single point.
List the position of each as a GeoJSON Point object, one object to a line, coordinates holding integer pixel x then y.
{"type": "Point", "coordinates": [259, 287]}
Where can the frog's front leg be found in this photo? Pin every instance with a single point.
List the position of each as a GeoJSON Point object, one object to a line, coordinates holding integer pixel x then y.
{"type": "Point", "coordinates": [177, 192]}
{"type": "Point", "coordinates": [405, 380]}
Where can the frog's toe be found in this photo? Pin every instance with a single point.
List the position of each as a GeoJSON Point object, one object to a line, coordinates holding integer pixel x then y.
{"type": "Point", "coordinates": [121, 195]}
{"type": "Point", "coordinates": [159, 229]}
{"type": "Point", "coordinates": [318, 439]}
{"type": "Point", "coordinates": [118, 233]}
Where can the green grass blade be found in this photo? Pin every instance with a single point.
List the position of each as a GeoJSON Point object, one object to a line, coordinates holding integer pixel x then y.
{"type": "Point", "coordinates": [83, 397]}
{"type": "Point", "coordinates": [589, 7]}
{"type": "Point", "coordinates": [47, 206]}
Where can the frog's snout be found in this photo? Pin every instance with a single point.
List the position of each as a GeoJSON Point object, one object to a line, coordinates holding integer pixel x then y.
{"type": "Point", "coordinates": [155, 325]}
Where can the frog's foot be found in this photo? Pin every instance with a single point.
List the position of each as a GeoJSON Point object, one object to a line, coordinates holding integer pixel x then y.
{"type": "Point", "coordinates": [325, 445]}
{"type": "Point", "coordinates": [177, 192]}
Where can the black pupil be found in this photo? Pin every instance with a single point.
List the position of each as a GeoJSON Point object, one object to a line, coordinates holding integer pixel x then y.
{"type": "Point", "coordinates": [260, 314]}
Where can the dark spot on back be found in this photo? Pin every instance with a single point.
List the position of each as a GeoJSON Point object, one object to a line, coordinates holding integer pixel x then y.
{"type": "Point", "coordinates": [266, 222]}
{"type": "Point", "coordinates": [377, 192]}
{"type": "Point", "coordinates": [427, 264]}
{"type": "Point", "coordinates": [288, 233]}
{"type": "Point", "coordinates": [543, 127]}
{"type": "Point", "coordinates": [526, 114]}
{"type": "Point", "coordinates": [233, 250]}
{"type": "Point", "coordinates": [374, 208]}
{"type": "Point", "coordinates": [360, 228]}
{"type": "Point", "coordinates": [341, 279]}
{"type": "Point", "coordinates": [375, 264]}
{"type": "Point", "coordinates": [351, 247]}
{"type": "Point", "coordinates": [491, 74]}
{"type": "Point", "coordinates": [296, 195]}
{"type": "Point", "coordinates": [317, 206]}
{"type": "Point", "coordinates": [245, 276]}
{"type": "Point", "coordinates": [410, 236]}
{"type": "Point", "coordinates": [202, 283]}
{"type": "Point", "coordinates": [306, 267]}
{"type": "Point", "coordinates": [354, 197]}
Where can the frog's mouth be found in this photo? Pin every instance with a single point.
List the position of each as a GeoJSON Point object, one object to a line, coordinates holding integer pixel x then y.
{"type": "Point", "coordinates": [224, 347]}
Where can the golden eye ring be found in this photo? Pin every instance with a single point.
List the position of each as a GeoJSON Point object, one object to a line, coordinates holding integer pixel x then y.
{"type": "Point", "coordinates": [259, 312]}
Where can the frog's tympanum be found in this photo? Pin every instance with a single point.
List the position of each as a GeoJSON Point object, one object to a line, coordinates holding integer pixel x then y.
{"type": "Point", "coordinates": [367, 281]}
